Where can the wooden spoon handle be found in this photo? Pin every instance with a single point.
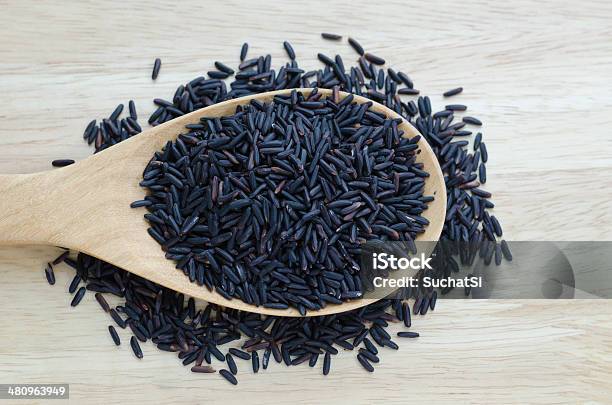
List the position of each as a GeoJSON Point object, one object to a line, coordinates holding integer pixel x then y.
{"type": "Point", "coordinates": [26, 214]}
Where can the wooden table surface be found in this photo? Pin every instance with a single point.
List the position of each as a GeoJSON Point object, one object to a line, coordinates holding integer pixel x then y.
{"type": "Point", "coordinates": [538, 73]}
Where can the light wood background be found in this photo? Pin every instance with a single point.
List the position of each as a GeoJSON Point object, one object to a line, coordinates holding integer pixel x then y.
{"type": "Point", "coordinates": [538, 73]}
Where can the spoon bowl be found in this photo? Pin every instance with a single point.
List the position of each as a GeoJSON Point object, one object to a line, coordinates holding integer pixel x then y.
{"type": "Point", "coordinates": [86, 206]}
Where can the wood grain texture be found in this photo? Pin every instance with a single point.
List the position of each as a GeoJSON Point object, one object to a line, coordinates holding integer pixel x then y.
{"type": "Point", "coordinates": [537, 73]}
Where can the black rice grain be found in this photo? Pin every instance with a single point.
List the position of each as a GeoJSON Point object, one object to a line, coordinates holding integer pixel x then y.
{"type": "Point", "coordinates": [102, 301]}
{"type": "Point", "coordinates": [356, 46]}
{"type": "Point", "coordinates": [484, 155]}
{"type": "Point", "coordinates": [132, 108]}
{"type": "Point", "coordinates": [506, 250]}
{"type": "Point", "coordinates": [482, 173]}
{"type": "Point", "coordinates": [60, 258]}
{"type": "Point", "coordinates": [463, 133]}
{"type": "Point", "coordinates": [377, 60]}
{"type": "Point", "coordinates": [416, 307]}
{"type": "Point", "coordinates": [74, 284]}
{"type": "Point", "coordinates": [325, 59]}
{"type": "Point", "coordinates": [224, 68]}
{"type": "Point", "coordinates": [203, 369]}
{"type": "Point", "coordinates": [498, 254]}
{"type": "Point", "coordinates": [365, 363]}
{"type": "Point", "coordinates": [370, 346]}
{"type": "Point", "coordinates": [114, 335]}
{"type": "Point", "coordinates": [331, 37]}
{"type": "Point", "coordinates": [472, 121]}
{"type": "Point", "coordinates": [255, 361]}
{"type": "Point", "coordinates": [91, 127]}
{"type": "Point", "coordinates": [456, 107]}
{"type": "Point", "coordinates": [231, 364]}
{"type": "Point", "coordinates": [289, 50]}
{"type": "Point", "coordinates": [409, 91]}
{"type": "Point", "coordinates": [78, 297]}
{"type": "Point", "coordinates": [156, 67]}
{"type": "Point", "coordinates": [406, 80]}
{"type": "Point", "coordinates": [228, 376]}
{"type": "Point", "coordinates": [314, 357]}
{"type": "Point", "coordinates": [408, 334]}
{"type": "Point", "coordinates": [214, 74]}
{"type": "Point", "coordinates": [369, 355]}
{"type": "Point", "coordinates": [326, 363]}
{"type": "Point", "coordinates": [243, 51]}
{"type": "Point", "coordinates": [116, 113]}
{"type": "Point", "coordinates": [62, 162]}
{"type": "Point", "coordinates": [391, 344]}
{"type": "Point", "coordinates": [49, 274]}
{"type": "Point", "coordinates": [266, 358]}
{"type": "Point", "coordinates": [239, 353]}
{"type": "Point", "coordinates": [453, 92]}
{"type": "Point", "coordinates": [140, 203]}
{"type": "Point", "coordinates": [433, 300]}
{"type": "Point", "coordinates": [496, 226]}
{"type": "Point", "coordinates": [117, 318]}
{"type": "Point", "coordinates": [136, 347]}
{"type": "Point", "coordinates": [477, 141]}
{"type": "Point", "coordinates": [406, 314]}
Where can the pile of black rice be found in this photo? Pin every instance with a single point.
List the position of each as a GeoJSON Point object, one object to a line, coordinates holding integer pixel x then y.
{"type": "Point", "coordinates": [272, 204]}
{"type": "Point", "coordinates": [198, 334]}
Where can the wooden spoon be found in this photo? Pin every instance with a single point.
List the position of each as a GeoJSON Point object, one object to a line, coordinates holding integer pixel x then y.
{"type": "Point", "coordinates": [86, 206]}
